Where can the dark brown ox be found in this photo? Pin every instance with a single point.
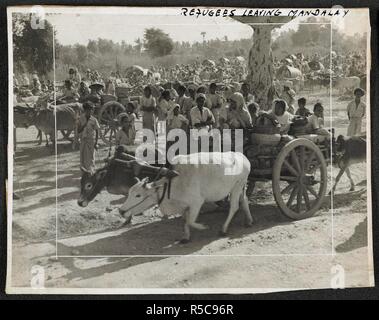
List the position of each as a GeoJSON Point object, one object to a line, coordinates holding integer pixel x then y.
{"type": "Point", "coordinates": [118, 175]}
{"type": "Point", "coordinates": [66, 116]}
{"type": "Point", "coordinates": [350, 150]}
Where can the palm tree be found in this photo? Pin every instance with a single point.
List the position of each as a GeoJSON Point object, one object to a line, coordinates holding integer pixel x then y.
{"type": "Point", "coordinates": [203, 33]}
{"type": "Point", "coordinates": [138, 43]}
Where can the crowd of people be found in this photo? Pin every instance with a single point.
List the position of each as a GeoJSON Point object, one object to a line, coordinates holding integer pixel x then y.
{"type": "Point", "coordinates": [191, 97]}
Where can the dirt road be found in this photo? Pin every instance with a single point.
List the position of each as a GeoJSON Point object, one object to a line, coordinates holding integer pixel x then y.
{"type": "Point", "coordinates": [95, 250]}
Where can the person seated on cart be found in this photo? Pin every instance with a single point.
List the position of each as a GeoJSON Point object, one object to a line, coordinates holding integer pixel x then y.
{"type": "Point", "coordinates": [83, 91]}
{"type": "Point", "coordinates": [238, 117]}
{"type": "Point", "coordinates": [96, 90]}
{"type": "Point", "coordinates": [316, 121]}
{"type": "Point", "coordinates": [302, 110]}
{"type": "Point", "coordinates": [253, 109]}
{"type": "Point", "coordinates": [127, 134]}
{"type": "Point", "coordinates": [69, 94]}
{"type": "Point", "coordinates": [280, 113]}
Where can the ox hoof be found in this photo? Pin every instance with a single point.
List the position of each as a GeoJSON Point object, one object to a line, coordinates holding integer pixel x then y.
{"type": "Point", "coordinates": [127, 221]}
{"type": "Point", "coordinates": [352, 189]}
{"type": "Point", "coordinates": [249, 224]}
{"type": "Point", "coordinates": [222, 234]}
{"type": "Point", "coordinates": [184, 241]}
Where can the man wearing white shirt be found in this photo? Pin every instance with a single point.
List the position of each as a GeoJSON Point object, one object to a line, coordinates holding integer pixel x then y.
{"type": "Point", "coordinates": [356, 110]}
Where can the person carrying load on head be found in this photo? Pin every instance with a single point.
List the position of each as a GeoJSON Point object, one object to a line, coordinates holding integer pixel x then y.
{"type": "Point", "coordinates": [356, 110]}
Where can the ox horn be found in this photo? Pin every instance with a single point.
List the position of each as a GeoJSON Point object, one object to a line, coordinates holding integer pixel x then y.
{"type": "Point", "coordinates": [172, 173]}
{"type": "Point", "coordinates": [145, 181]}
{"type": "Point", "coordinates": [136, 168]}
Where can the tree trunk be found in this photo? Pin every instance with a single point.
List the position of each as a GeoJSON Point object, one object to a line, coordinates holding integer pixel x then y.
{"type": "Point", "coordinates": [260, 66]}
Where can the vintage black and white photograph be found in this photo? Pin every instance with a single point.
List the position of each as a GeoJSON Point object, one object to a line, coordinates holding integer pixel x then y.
{"type": "Point", "coordinates": [188, 150]}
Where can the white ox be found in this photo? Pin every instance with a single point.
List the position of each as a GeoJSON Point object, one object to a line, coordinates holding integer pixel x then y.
{"type": "Point", "coordinates": [198, 181]}
{"type": "Point", "coordinates": [347, 83]}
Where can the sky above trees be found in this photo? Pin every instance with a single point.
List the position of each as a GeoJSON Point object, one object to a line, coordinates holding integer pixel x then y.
{"type": "Point", "coordinates": [79, 28]}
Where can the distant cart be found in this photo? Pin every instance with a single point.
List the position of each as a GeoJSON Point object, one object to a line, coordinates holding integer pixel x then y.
{"type": "Point", "coordinates": [292, 74]}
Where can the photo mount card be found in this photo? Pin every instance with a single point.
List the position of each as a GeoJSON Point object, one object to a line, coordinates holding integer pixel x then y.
{"type": "Point", "coordinates": [188, 150]}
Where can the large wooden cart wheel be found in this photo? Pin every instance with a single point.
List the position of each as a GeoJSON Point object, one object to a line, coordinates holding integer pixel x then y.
{"type": "Point", "coordinates": [299, 179]}
{"type": "Point", "coordinates": [108, 121]}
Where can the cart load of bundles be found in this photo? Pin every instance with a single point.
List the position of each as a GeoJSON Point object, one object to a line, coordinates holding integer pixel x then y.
{"type": "Point", "coordinates": [264, 141]}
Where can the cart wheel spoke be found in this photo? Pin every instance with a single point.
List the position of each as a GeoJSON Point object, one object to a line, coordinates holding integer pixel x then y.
{"type": "Point", "coordinates": [108, 116]}
{"type": "Point", "coordinates": [288, 178]}
{"type": "Point", "coordinates": [302, 158]}
{"type": "Point", "coordinates": [292, 196]}
{"type": "Point", "coordinates": [313, 191]}
{"type": "Point", "coordinates": [295, 160]}
{"type": "Point", "coordinates": [301, 164]}
{"type": "Point", "coordinates": [299, 198]}
{"type": "Point", "coordinates": [306, 199]}
{"type": "Point", "coordinates": [309, 161]}
{"type": "Point", "coordinates": [290, 168]}
{"type": "Point", "coordinates": [288, 188]}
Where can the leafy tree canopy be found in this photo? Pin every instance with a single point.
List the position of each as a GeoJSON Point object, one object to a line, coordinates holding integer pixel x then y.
{"type": "Point", "coordinates": [157, 43]}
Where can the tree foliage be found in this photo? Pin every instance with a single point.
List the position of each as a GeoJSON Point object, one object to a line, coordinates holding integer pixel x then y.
{"type": "Point", "coordinates": [81, 52]}
{"type": "Point", "coordinates": [32, 48]}
{"type": "Point", "coordinates": [157, 43]}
